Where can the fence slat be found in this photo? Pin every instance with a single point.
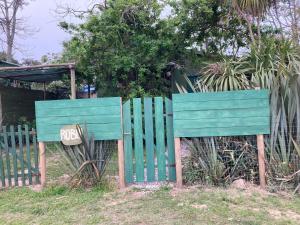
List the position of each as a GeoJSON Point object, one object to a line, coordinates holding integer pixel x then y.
{"type": "Point", "coordinates": [21, 158]}
{"type": "Point", "coordinates": [127, 129]}
{"type": "Point", "coordinates": [170, 139]}
{"type": "Point", "coordinates": [36, 157]}
{"type": "Point", "coordinates": [14, 154]}
{"type": "Point", "coordinates": [28, 156]}
{"type": "Point", "coordinates": [7, 158]}
{"type": "Point", "coordinates": [2, 174]}
{"type": "Point", "coordinates": [160, 138]}
{"type": "Point", "coordinates": [148, 111]}
{"type": "Point", "coordinates": [138, 140]}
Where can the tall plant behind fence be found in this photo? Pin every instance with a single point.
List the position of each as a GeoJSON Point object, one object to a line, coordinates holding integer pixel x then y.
{"type": "Point", "coordinates": [19, 165]}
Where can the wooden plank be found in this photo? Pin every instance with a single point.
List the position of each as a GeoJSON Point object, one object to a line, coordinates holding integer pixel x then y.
{"type": "Point", "coordinates": [21, 158]}
{"type": "Point", "coordinates": [160, 138]}
{"type": "Point", "coordinates": [212, 114]}
{"type": "Point", "coordinates": [178, 163]}
{"type": "Point", "coordinates": [42, 151]}
{"type": "Point", "coordinates": [28, 156]}
{"type": "Point", "coordinates": [149, 139]}
{"type": "Point", "coordinates": [138, 140]}
{"type": "Point", "coordinates": [209, 132]}
{"type": "Point", "coordinates": [127, 129]}
{"type": "Point", "coordinates": [2, 173]}
{"type": "Point", "coordinates": [7, 156]}
{"type": "Point", "coordinates": [213, 96]}
{"type": "Point", "coordinates": [56, 104]}
{"type": "Point", "coordinates": [170, 140]}
{"type": "Point", "coordinates": [14, 153]}
{"type": "Point", "coordinates": [261, 160]}
{"type": "Point", "coordinates": [36, 157]}
{"type": "Point", "coordinates": [73, 82]}
{"type": "Point", "coordinates": [221, 104]}
{"type": "Point", "coordinates": [79, 111]}
{"type": "Point", "coordinates": [121, 164]}
{"type": "Point", "coordinates": [218, 123]}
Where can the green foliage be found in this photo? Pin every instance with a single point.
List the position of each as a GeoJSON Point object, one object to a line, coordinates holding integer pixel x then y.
{"type": "Point", "coordinates": [125, 49]}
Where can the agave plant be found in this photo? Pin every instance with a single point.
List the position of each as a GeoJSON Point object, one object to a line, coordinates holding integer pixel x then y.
{"type": "Point", "coordinates": [88, 159]}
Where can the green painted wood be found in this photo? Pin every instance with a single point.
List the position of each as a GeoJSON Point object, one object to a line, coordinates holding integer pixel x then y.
{"type": "Point", "coordinates": [36, 157]}
{"type": "Point", "coordinates": [101, 115]}
{"type": "Point", "coordinates": [149, 139]}
{"type": "Point", "coordinates": [221, 113]}
{"type": "Point", "coordinates": [170, 139]}
{"type": "Point", "coordinates": [215, 96]}
{"type": "Point", "coordinates": [160, 138]}
{"type": "Point", "coordinates": [211, 132]}
{"type": "Point", "coordinates": [138, 140]}
{"type": "Point", "coordinates": [14, 154]}
{"type": "Point", "coordinates": [2, 173]}
{"type": "Point", "coordinates": [7, 156]}
{"type": "Point", "coordinates": [222, 104]}
{"type": "Point", "coordinates": [127, 129]}
{"type": "Point", "coordinates": [21, 158]}
{"type": "Point", "coordinates": [28, 155]}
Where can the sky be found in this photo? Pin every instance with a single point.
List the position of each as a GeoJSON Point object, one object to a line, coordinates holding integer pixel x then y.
{"type": "Point", "coordinates": [47, 37]}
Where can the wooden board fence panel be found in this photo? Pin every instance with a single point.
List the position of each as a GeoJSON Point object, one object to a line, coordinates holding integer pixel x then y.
{"type": "Point", "coordinates": [102, 116]}
{"type": "Point", "coordinates": [18, 167]}
{"type": "Point", "coordinates": [221, 113]}
{"type": "Point", "coordinates": [153, 140]}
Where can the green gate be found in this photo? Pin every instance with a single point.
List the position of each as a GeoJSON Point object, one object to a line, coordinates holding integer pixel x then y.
{"type": "Point", "coordinates": [148, 140]}
{"type": "Point", "coordinates": [19, 164]}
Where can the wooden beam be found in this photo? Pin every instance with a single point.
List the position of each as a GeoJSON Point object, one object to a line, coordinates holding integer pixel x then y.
{"type": "Point", "coordinates": [42, 149]}
{"type": "Point", "coordinates": [121, 160]}
{"type": "Point", "coordinates": [178, 163]}
{"type": "Point", "coordinates": [63, 65]}
{"type": "Point", "coordinates": [73, 82]}
{"type": "Point", "coordinates": [261, 160]}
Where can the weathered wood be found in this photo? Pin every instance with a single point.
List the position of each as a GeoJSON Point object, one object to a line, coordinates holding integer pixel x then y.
{"type": "Point", "coordinates": [36, 157]}
{"type": "Point", "coordinates": [62, 65]}
{"type": "Point", "coordinates": [261, 160]}
{"type": "Point", "coordinates": [149, 136]}
{"type": "Point", "coordinates": [42, 151]}
{"type": "Point", "coordinates": [7, 157]}
{"type": "Point", "coordinates": [138, 140]}
{"type": "Point", "coordinates": [14, 154]}
{"type": "Point", "coordinates": [20, 139]}
{"type": "Point", "coordinates": [101, 116]}
{"type": "Point", "coordinates": [170, 140]}
{"type": "Point", "coordinates": [178, 163]}
{"type": "Point", "coordinates": [121, 164]}
{"type": "Point", "coordinates": [2, 173]}
{"type": "Point", "coordinates": [73, 82]}
{"type": "Point", "coordinates": [127, 129]}
{"type": "Point", "coordinates": [160, 139]}
{"type": "Point", "coordinates": [28, 154]}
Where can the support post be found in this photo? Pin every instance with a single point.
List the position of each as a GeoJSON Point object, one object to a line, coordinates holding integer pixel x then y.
{"type": "Point", "coordinates": [261, 160]}
{"type": "Point", "coordinates": [121, 154]}
{"type": "Point", "coordinates": [42, 150]}
{"type": "Point", "coordinates": [178, 163]}
{"type": "Point", "coordinates": [44, 85]}
{"type": "Point", "coordinates": [73, 82]}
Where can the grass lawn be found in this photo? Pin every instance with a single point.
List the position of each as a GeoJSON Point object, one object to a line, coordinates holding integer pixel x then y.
{"type": "Point", "coordinates": [60, 205]}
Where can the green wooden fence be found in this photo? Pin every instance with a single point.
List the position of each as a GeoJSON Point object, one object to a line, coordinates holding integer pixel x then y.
{"type": "Point", "coordinates": [18, 157]}
{"type": "Point", "coordinates": [148, 140]}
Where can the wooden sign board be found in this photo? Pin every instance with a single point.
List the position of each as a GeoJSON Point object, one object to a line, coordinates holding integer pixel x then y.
{"type": "Point", "coordinates": [70, 135]}
{"type": "Point", "coordinates": [229, 113]}
{"type": "Point", "coordinates": [101, 116]}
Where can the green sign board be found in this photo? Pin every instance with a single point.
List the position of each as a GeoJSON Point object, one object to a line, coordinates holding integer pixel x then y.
{"type": "Point", "coordinates": [101, 116]}
{"type": "Point", "coordinates": [231, 113]}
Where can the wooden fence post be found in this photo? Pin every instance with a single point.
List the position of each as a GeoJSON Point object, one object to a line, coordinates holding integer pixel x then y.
{"type": "Point", "coordinates": [261, 160]}
{"type": "Point", "coordinates": [178, 163]}
{"type": "Point", "coordinates": [42, 149]}
{"type": "Point", "coordinates": [121, 156]}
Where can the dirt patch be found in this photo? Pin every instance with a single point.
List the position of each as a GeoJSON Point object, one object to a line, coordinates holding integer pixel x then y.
{"type": "Point", "coordinates": [274, 213]}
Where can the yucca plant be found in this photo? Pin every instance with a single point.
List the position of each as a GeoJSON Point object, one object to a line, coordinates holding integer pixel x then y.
{"type": "Point", "coordinates": [88, 159]}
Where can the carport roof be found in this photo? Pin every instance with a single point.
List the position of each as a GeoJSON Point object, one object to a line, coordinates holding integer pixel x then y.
{"type": "Point", "coordinates": [39, 73]}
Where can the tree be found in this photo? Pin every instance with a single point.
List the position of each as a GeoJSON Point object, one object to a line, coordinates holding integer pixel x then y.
{"type": "Point", "coordinates": [10, 23]}
{"type": "Point", "coordinates": [124, 49]}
